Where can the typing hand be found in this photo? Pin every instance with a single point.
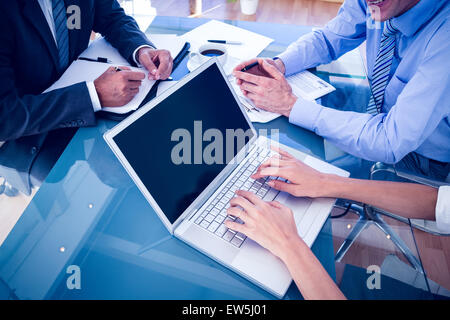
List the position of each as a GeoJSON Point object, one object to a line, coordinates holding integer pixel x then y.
{"type": "Point", "coordinates": [117, 88]}
{"type": "Point", "coordinates": [159, 63]}
{"type": "Point", "coordinates": [271, 93]}
{"type": "Point", "coordinates": [271, 224]}
{"type": "Point", "coordinates": [304, 181]}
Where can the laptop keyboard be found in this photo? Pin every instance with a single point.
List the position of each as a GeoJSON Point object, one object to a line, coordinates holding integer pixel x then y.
{"type": "Point", "coordinates": [215, 215]}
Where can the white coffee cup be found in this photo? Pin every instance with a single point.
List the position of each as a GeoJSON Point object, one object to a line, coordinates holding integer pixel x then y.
{"type": "Point", "coordinates": [207, 51]}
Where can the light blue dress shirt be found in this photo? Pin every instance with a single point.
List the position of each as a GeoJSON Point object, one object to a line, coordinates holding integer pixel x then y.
{"type": "Point", "coordinates": [416, 110]}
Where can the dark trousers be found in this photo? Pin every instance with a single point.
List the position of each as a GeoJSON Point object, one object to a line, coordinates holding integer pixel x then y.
{"type": "Point", "coordinates": [417, 164]}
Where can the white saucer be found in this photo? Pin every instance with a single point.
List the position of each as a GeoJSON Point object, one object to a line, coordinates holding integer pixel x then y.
{"type": "Point", "coordinates": [192, 65]}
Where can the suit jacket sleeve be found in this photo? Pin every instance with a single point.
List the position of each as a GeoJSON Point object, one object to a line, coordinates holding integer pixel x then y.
{"type": "Point", "coordinates": [30, 114]}
{"type": "Point", "coordinates": [119, 29]}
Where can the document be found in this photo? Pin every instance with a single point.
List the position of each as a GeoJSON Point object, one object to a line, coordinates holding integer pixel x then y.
{"type": "Point", "coordinates": [102, 48]}
{"type": "Point", "coordinates": [252, 43]}
{"type": "Point", "coordinates": [309, 86]}
{"type": "Point", "coordinates": [170, 42]}
{"type": "Point", "coordinates": [350, 63]}
{"type": "Point", "coordinates": [85, 71]}
{"type": "Point", "coordinates": [164, 85]}
{"type": "Point", "coordinates": [304, 84]}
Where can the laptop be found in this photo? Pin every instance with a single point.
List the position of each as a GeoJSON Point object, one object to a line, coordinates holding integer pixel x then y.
{"type": "Point", "coordinates": [189, 150]}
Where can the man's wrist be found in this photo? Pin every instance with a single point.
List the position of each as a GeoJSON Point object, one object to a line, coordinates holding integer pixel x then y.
{"type": "Point", "coordinates": [136, 53]}
{"type": "Point", "coordinates": [292, 100]}
{"type": "Point", "coordinates": [96, 105]}
{"type": "Point", "coordinates": [280, 65]}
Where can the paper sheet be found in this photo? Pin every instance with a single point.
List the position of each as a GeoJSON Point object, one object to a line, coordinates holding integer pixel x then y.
{"type": "Point", "coordinates": [309, 86]}
{"type": "Point", "coordinates": [170, 42]}
{"type": "Point", "coordinates": [102, 48]}
{"type": "Point", "coordinates": [164, 85]}
{"type": "Point", "coordinates": [304, 84]}
{"type": "Point", "coordinates": [350, 63]}
{"type": "Point", "coordinates": [252, 43]}
{"type": "Point", "coordinates": [85, 71]}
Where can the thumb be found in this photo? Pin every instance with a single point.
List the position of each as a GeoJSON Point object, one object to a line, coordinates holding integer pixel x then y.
{"type": "Point", "coordinates": [270, 69]}
{"type": "Point", "coordinates": [282, 186]}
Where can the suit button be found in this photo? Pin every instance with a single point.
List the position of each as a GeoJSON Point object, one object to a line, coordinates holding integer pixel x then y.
{"type": "Point", "coordinates": [34, 150]}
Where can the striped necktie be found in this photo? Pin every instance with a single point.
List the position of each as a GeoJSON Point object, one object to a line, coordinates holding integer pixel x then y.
{"type": "Point", "coordinates": [382, 68]}
{"type": "Point", "coordinates": [61, 32]}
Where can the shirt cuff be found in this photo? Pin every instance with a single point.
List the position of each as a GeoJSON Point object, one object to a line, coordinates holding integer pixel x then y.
{"type": "Point", "coordinates": [443, 209]}
{"type": "Point", "coordinates": [290, 59]}
{"type": "Point", "coordinates": [305, 113]}
{"type": "Point", "coordinates": [136, 51]}
{"type": "Point", "coordinates": [94, 96]}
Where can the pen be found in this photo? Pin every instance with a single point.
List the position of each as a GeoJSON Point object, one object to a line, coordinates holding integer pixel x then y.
{"type": "Point", "coordinates": [226, 42]}
{"type": "Point", "coordinates": [254, 64]}
{"type": "Point", "coordinates": [99, 59]}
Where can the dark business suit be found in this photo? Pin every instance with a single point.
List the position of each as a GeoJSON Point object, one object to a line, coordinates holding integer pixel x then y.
{"type": "Point", "coordinates": [28, 66]}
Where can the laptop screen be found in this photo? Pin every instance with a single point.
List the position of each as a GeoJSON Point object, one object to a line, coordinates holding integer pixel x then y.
{"type": "Point", "coordinates": [180, 146]}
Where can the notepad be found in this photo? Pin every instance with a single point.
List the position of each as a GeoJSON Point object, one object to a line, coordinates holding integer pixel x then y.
{"type": "Point", "coordinates": [85, 71]}
{"type": "Point", "coordinates": [102, 48]}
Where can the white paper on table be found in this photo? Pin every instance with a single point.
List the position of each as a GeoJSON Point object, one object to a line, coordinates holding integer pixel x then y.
{"type": "Point", "coordinates": [252, 43]}
{"type": "Point", "coordinates": [86, 71]}
{"type": "Point", "coordinates": [164, 85]}
{"type": "Point", "coordinates": [350, 63]}
{"type": "Point", "coordinates": [170, 42]}
{"type": "Point", "coordinates": [309, 86]}
{"type": "Point", "coordinates": [102, 48]}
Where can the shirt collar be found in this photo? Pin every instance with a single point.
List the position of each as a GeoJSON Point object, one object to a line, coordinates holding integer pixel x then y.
{"type": "Point", "coordinates": [411, 21]}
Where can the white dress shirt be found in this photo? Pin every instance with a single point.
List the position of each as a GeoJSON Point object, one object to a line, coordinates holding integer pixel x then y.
{"type": "Point", "coordinates": [47, 9]}
{"type": "Point", "coordinates": [443, 209]}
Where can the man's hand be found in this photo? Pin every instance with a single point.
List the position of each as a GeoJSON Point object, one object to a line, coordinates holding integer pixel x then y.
{"type": "Point", "coordinates": [117, 88]}
{"type": "Point", "coordinates": [271, 224]}
{"type": "Point", "coordinates": [159, 63]}
{"type": "Point", "coordinates": [259, 70]}
{"type": "Point", "coordinates": [272, 93]}
{"type": "Point", "coordinates": [304, 181]}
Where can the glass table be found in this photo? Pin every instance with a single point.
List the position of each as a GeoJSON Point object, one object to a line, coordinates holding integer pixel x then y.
{"type": "Point", "coordinates": [89, 219]}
